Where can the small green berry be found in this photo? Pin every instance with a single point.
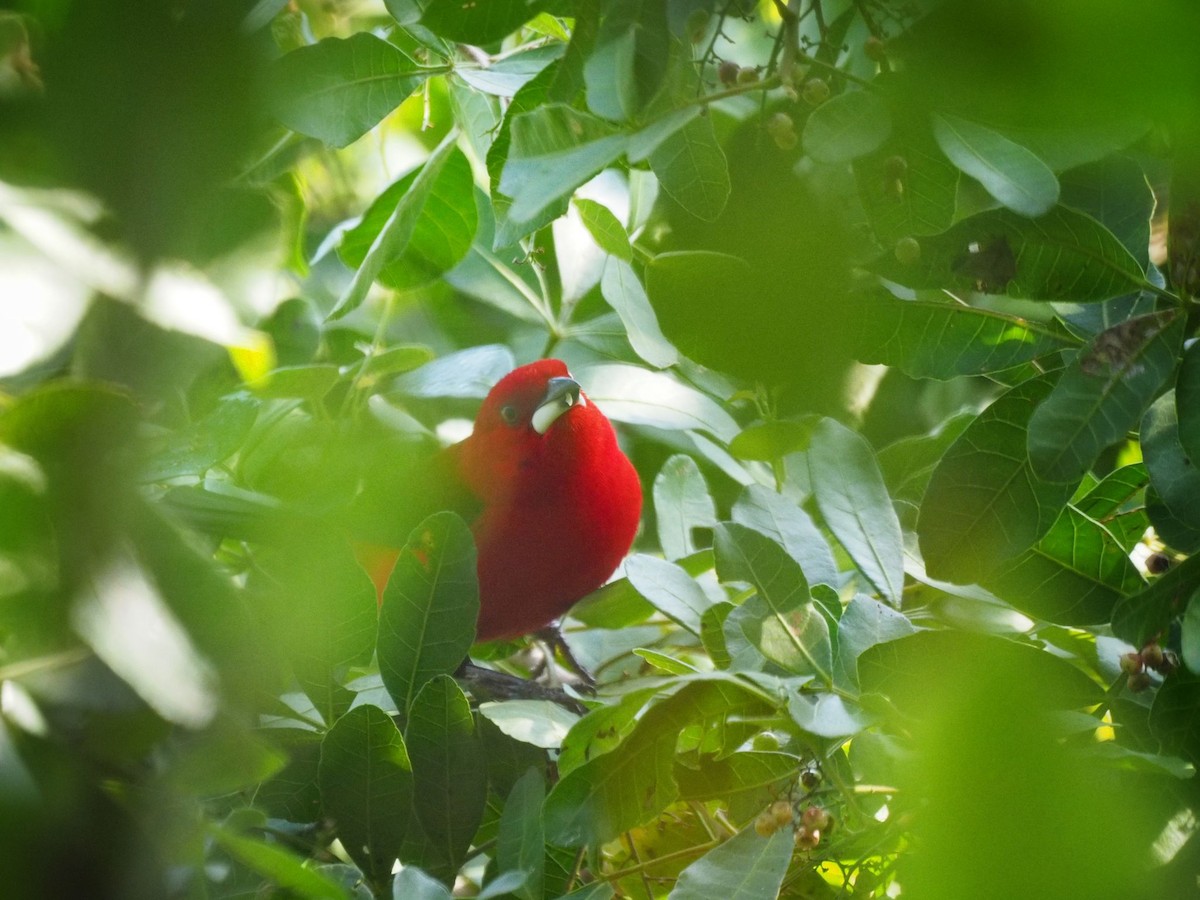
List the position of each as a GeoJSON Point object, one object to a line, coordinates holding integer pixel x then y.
{"type": "Point", "coordinates": [747, 75]}
{"type": "Point", "coordinates": [815, 91]}
{"type": "Point", "coordinates": [908, 251]}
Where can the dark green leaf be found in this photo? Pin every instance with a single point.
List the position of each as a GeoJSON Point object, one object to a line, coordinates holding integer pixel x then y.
{"type": "Point", "coordinates": [441, 234]}
{"type": "Point", "coordinates": [746, 867]}
{"type": "Point", "coordinates": [339, 88]}
{"type": "Point", "coordinates": [850, 125]}
{"type": "Point", "coordinates": [449, 766]}
{"type": "Point", "coordinates": [427, 622]}
{"type": "Point", "coordinates": [1102, 395]}
{"type": "Point", "coordinates": [1008, 171]}
{"type": "Point", "coordinates": [855, 505]}
{"type": "Point", "coordinates": [1173, 474]}
{"type": "Point", "coordinates": [520, 845]}
{"type": "Point", "coordinates": [928, 338]}
{"type": "Point", "coordinates": [477, 23]}
{"type": "Point", "coordinates": [984, 503]}
{"type": "Point", "coordinates": [1175, 715]}
{"type": "Point", "coordinates": [1187, 401]}
{"type": "Point", "coordinates": [907, 187]}
{"type": "Point", "coordinates": [1118, 503]}
{"type": "Point", "coordinates": [278, 866]}
{"type": "Point", "coordinates": [630, 58]}
{"type": "Point", "coordinates": [1146, 616]}
{"type": "Point", "coordinates": [367, 788]}
{"type": "Point", "coordinates": [1115, 193]}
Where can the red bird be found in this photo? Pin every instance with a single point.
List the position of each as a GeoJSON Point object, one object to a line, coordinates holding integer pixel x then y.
{"type": "Point", "coordinates": [559, 500]}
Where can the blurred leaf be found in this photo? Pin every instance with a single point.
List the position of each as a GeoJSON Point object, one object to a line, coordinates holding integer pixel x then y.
{"type": "Point", "coordinates": [395, 234]}
{"type": "Point", "coordinates": [854, 503]}
{"type": "Point", "coordinates": [691, 167]}
{"type": "Point", "coordinates": [554, 150]}
{"type": "Point", "coordinates": [303, 382]}
{"type": "Point", "coordinates": [367, 788]}
{"type": "Point", "coordinates": [629, 60]}
{"type": "Point", "coordinates": [1008, 171]}
{"type": "Point", "coordinates": [1187, 401]}
{"type": "Point", "coordinates": [339, 88]}
{"type": "Point", "coordinates": [939, 339]}
{"type": "Point", "coordinates": [745, 867]}
{"type": "Point", "coordinates": [520, 843]}
{"type": "Point", "coordinates": [1189, 638]}
{"type": "Point", "coordinates": [681, 505]}
{"type": "Point", "coordinates": [1073, 576]}
{"type": "Point", "coordinates": [411, 883]}
{"type": "Point", "coordinates": [397, 359]}
{"type": "Point", "coordinates": [1175, 715]}
{"type": "Point", "coordinates": [448, 763]}
{"type": "Point", "coordinates": [605, 229]}
{"type": "Point", "coordinates": [465, 374]}
{"type": "Point", "coordinates": [631, 784]}
{"type": "Point", "coordinates": [477, 23]}
{"type": "Point", "coordinates": [1115, 193]}
{"type": "Point", "coordinates": [669, 588]}
{"type": "Point", "coordinates": [780, 519]}
{"type": "Point", "coordinates": [1173, 474]}
{"type": "Point", "coordinates": [1102, 395]}
{"type": "Point", "coordinates": [211, 440]}
{"type": "Point", "coordinates": [277, 866]}
{"type": "Point", "coordinates": [441, 233]}
{"type": "Point", "coordinates": [1062, 255]}
{"type": "Point", "coordinates": [865, 623]}
{"type": "Point", "coordinates": [769, 441]}
{"type": "Point", "coordinates": [427, 620]}
{"type": "Point", "coordinates": [985, 503]}
{"type": "Point", "coordinates": [827, 715]}
{"type": "Point", "coordinates": [850, 125]}
{"type": "Point", "coordinates": [624, 293]}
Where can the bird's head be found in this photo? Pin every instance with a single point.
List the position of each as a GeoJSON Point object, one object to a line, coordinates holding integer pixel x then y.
{"type": "Point", "coordinates": [534, 416]}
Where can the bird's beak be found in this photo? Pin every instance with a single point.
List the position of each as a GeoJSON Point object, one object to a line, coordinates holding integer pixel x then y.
{"type": "Point", "coordinates": [561, 395]}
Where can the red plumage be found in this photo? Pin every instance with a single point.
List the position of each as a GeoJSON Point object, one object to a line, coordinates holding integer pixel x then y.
{"type": "Point", "coordinates": [559, 509]}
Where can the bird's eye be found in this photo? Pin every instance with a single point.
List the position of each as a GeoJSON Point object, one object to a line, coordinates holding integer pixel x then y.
{"type": "Point", "coordinates": [509, 414]}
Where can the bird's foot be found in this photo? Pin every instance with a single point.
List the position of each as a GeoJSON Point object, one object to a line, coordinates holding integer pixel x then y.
{"type": "Point", "coordinates": [552, 636]}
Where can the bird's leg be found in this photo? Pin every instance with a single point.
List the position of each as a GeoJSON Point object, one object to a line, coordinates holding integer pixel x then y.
{"type": "Point", "coordinates": [492, 685]}
{"type": "Point", "coordinates": [553, 637]}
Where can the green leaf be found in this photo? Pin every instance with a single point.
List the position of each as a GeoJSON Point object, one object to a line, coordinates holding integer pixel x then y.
{"type": "Point", "coordinates": [602, 730]}
{"type": "Point", "coordinates": [827, 715]}
{"type": "Point", "coordinates": [506, 76]}
{"type": "Point", "coordinates": [780, 622]}
{"type": "Point", "coordinates": [304, 382]}
{"type": "Point", "coordinates": [477, 23]}
{"type": "Point", "coordinates": [441, 234]}
{"type": "Point", "coordinates": [367, 788]}
{"type": "Point", "coordinates": [1146, 615]}
{"type": "Point", "coordinates": [411, 883]}
{"type": "Point", "coordinates": [629, 61]}
{"type": "Point", "coordinates": [395, 360]}
{"type": "Point", "coordinates": [395, 234]}
{"type": "Point", "coordinates": [669, 588]}
{"type": "Point", "coordinates": [745, 770]}
{"type": "Point", "coordinates": [339, 88]}
{"type": "Point", "coordinates": [1118, 503]}
{"type": "Point", "coordinates": [1175, 715]}
{"type": "Point", "coordinates": [1064, 255]}
{"type": "Point", "coordinates": [746, 867]}
{"type": "Point", "coordinates": [213, 439]}
{"type": "Point", "coordinates": [1173, 474]}
{"type": "Point", "coordinates": [1075, 575]}
{"type": "Point", "coordinates": [985, 503]}
{"type": "Point", "coordinates": [865, 623]}
{"type": "Point", "coordinates": [918, 200]}
{"type": "Point", "coordinates": [605, 229]}
{"type": "Point", "coordinates": [1187, 401]}
{"type": "Point", "coordinates": [623, 291]}
{"type": "Point", "coordinates": [769, 441]}
{"type": "Point", "coordinates": [1102, 394]}
{"type": "Point", "coordinates": [611, 793]}
{"type": "Point", "coordinates": [427, 621]}
{"type": "Point", "coordinates": [855, 505]}
{"type": "Point", "coordinates": [449, 765]}
{"type": "Point", "coordinates": [691, 167]}
{"type": "Point", "coordinates": [850, 125]}
{"type": "Point", "coordinates": [520, 844]}
{"type": "Point", "coordinates": [639, 396]}
{"type": "Point", "coordinates": [784, 522]}
{"type": "Point", "coordinates": [938, 339]}
{"type": "Point", "coordinates": [1008, 171]}
{"type": "Point", "coordinates": [1115, 193]}
{"type": "Point", "coordinates": [681, 505]}
{"type": "Point", "coordinates": [554, 149]}
{"type": "Point", "coordinates": [277, 866]}
{"type": "Point", "coordinates": [1189, 639]}
{"type": "Point", "coordinates": [541, 723]}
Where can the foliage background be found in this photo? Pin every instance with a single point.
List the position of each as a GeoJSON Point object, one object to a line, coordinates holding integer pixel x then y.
{"type": "Point", "coordinates": [892, 301]}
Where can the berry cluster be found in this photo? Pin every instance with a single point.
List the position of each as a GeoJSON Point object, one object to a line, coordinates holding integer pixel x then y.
{"type": "Point", "coordinates": [1152, 656]}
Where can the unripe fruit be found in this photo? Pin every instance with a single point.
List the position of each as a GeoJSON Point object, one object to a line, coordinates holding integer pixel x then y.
{"type": "Point", "coordinates": [781, 810]}
{"type": "Point", "coordinates": [747, 75]}
{"type": "Point", "coordinates": [765, 824]}
{"type": "Point", "coordinates": [816, 818]}
{"type": "Point", "coordinates": [908, 251]}
{"type": "Point", "coordinates": [728, 71]}
{"type": "Point", "coordinates": [782, 130]}
{"type": "Point", "coordinates": [1138, 682]}
{"type": "Point", "coordinates": [1152, 655]}
{"type": "Point", "coordinates": [875, 49]}
{"type": "Point", "coordinates": [807, 839]}
{"type": "Point", "coordinates": [1131, 663]}
{"type": "Point", "coordinates": [815, 91]}
{"type": "Point", "coordinates": [766, 741]}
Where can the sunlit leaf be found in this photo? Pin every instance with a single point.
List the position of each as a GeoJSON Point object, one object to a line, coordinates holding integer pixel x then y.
{"type": "Point", "coordinates": [746, 867]}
